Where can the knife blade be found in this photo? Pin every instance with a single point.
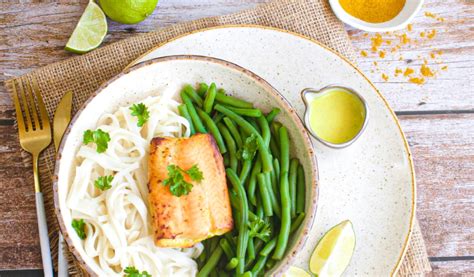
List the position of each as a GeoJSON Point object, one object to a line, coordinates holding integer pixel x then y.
{"type": "Point", "coordinates": [62, 117]}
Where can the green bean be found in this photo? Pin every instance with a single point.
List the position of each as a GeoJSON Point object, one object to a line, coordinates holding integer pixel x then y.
{"type": "Point", "coordinates": [259, 265]}
{"type": "Point", "coordinates": [285, 218]}
{"type": "Point", "coordinates": [297, 222]}
{"type": "Point", "coordinates": [300, 190]}
{"type": "Point", "coordinates": [211, 263]}
{"type": "Point", "coordinates": [226, 159]}
{"type": "Point", "coordinates": [210, 97]}
{"type": "Point", "coordinates": [258, 245]}
{"type": "Point", "coordinates": [252, 184]}
{"type": "Point", "coordinates": [271, 194]}
{"type": "Point", "coordinates": [233, 130]}
{"type": "Point", "coordinates": [284, 151]}
{"type": "Point", "coordinates": [260, 212]}
{"type": "Point", "coordinates": [243, 230]}
{"type": "Point", "coordinates": [245, 111]}
{"type": "Point", "coordinates": [202, 257]}
{"type": "Point", "coordinates": [270, 264]}
{"type": "Point", "coordinates": [192, 112]}
{"type": "Point", "coordinates": [230, 239]}
{"type": "Point", "coordinates": [244, 172]}
{"type": "Point", "coordinates": [202, 89]}
{"type": "Point", "coordinates": [189, 90]}
{"type": "Point", "coordinates": [274, 177]}
{"type": "Point", "coordinates": [275, 126]}
{"type": "Point", "coordinates": [250, 250]}
{"type": "Point", "coordinates": [266, 157]}
{"type": "Point", "coordinates": [183, 111]}
{"type": "Point", "coordinates": [252, 216]}
{"type": "Point", "coordinates": [292, 182]}
{"type": "Point", "coordinates": [254, 125]}
{"type": "Point", "coordinates": [217, 117]}
{"type": "Point", "coordinates": [233, 262]}
{"type": "Point", "coordinates": [247, 274]}
{"type": "Point", "coordinates": [230, 145]}
{"type": "Point", "coordinates": [268, 248]}
{"type": "Point", "coordinates": [232, 101]}
{"type": "Point", "coordinates": [266, 201]}
{"type": "Point", "coordinates": [274, 147]}
{"type": "Point", "coordinates": [222, 273]}
{"type": "Point", "coordinates": [214, 273]}
{"type": "Point", "coordinates": [229, 252]}
{"type": "Point", "coordinates": [272, 114]}
{"type": "Point", "coordinates": [212, 127]}
{"type": "Point", "coordinates": [266, 135]}
{"type": "Point", "coordinates": [214, 243]}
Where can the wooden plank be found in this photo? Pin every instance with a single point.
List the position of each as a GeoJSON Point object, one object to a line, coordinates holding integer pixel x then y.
{"type": "Point", "coordinates": [45, 28]}
{"type": "Point", "coordinates": [443, 152]}
{"type": "Point", "coordinates": [452, 268]}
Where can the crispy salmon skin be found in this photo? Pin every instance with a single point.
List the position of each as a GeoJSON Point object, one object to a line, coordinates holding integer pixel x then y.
{"type": "Point", "coordinates": [204, 212]}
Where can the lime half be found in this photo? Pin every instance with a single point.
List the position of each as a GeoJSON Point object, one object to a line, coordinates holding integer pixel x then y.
{"type": "Point", "coordinates": [90, 30]}
{"type": "Point", "coordinates": [334, 251]}
{"type": "Point", "coordinates": [294, 271]}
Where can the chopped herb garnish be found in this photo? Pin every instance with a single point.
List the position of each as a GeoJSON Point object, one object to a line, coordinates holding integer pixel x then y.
{"type": "Point", "coordinates": [248, 150]}
{"type": "Point", "coordinates": [260, 229]}
{"type": "Point", "coordinates": [178, 186]}
{"type": "Point", "coordinates": [104, 182]}
{"type": "Point", "coordinates": [79, 225]}
{"type": "Point", "coordinates": [141, 112]}
{"type": "Point", "coordinates": [131, 271]}
{"type": "Point", "coordinates": [99, 137]}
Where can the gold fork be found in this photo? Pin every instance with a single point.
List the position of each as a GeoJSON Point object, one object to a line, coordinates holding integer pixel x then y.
{"type": "Point", "coordinates": [35, 135]}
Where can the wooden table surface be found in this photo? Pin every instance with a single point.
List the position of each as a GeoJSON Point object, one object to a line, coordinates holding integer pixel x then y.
{"type": "Point", "coordinates": [437, 117]}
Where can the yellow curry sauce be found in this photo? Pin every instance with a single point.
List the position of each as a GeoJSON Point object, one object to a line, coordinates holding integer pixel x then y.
{"type": "Point", "coordinates": [336, 116]}
{"type": "Point", "coordinates": [373, 11]}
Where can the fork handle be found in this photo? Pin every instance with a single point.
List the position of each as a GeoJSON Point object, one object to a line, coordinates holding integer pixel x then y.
{"type": "Point", "coordinates": [43, 233]}
{"type": "Point", "coordinates": [42, 224]}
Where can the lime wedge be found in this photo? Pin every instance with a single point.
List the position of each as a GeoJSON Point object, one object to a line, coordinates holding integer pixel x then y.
{"type": "Point", "coordinates": [90, 30]}
{"type": "Point", "coordinates": [334, 251]}
{"type": "Point", "coordinates": [294, 271]}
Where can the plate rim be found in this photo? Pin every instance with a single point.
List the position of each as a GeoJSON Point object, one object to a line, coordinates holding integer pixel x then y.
{"type": "Point", "coordinates": [351, 64]}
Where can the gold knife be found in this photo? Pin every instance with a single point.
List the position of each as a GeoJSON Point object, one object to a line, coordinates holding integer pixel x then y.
{"type": "Point", "coordinates": [62, 117]}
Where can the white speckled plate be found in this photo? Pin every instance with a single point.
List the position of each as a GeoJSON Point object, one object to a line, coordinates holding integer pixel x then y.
{"type": "Point", "coordinates": [372, 182]}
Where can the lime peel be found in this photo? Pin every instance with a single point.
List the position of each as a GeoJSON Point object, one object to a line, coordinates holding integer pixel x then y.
{"type": "Point", "coordinates": [90, 31]}
{"type": "Point", "coordinates": [334, 251]}
{"type": "Point", "coordinates": [294, 271]}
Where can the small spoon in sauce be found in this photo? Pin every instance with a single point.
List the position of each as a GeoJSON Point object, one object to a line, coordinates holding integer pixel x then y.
{"type": "Point", "coordinates": [335, 115]}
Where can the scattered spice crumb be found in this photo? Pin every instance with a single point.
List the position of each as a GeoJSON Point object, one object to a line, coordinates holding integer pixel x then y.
{"type": "Point", "coordinates": [398, 71]}
{"type": "Point", "coordinates": [384, 77]}
{"type": "Point", "coordinates": [363, 53]}
{"type": "Point", "coordinates": [376, 42]}
{"type": "Point", "coordinates": [408, 72]}
{"type": "Point", "coordinates": [428, 14]}
{"type": "Point", "coordinates": [421, 103]}
{"type": "Point", "coordinates": [382, 54]}
{"type": "Point", "coordinates": [410, 27]}
{"type": "Point", "coordinates": [404, 39]}
{"type": "Point", "coordinates": [366, 35]}
{"type": "Point", "coordinates": [431, 34]}
{"type": "Point", "coordinates": [376, 63]}
{"type": "Point", "coordinates": [418, 81]}
{"type": "Point", "coordinates": [422, 34]}
{"type": "Point", "coordinates": [444, 67]}
{"type": "Point", "coordinates": [432, 55]}
{"type": "Point", "coordinates": [426, 71]}
{"type": "Point", "coordinates": [400, 58]}
{"type": "Point", "coordinates": [440, 52]}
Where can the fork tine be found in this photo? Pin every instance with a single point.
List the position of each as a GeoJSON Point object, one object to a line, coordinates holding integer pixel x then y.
{"type": "Point", "coordinates": [42, 107]}
{"type": "Point", "coordinates": [34, 111]}
{"type": "Point", "coordinates": [19, 113]}
{"type": "Point", "coordinates": [25, 107]}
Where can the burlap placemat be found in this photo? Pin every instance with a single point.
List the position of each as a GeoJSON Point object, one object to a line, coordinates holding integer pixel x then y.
{"type": "Point", "coordinates": [84, 74]}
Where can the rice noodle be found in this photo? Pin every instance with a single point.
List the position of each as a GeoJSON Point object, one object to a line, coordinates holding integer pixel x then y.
{"type": "Point", "coordinates": [118, 221]}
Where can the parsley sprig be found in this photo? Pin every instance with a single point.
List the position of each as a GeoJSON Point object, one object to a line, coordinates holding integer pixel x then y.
{"type": "Point", "coordinates": [141, 112]}
{"type": "Point", "coordinates": [99, 137]}
{"type": "Point", "coordinates": [260, 229]}
{"type": "Point", "coordinates": [78, 226]}
{"type": "Point", "coordinates": [104, 182]}
{"type": "Point", "coordinates": [131, 271]}
{"type": "Point", "coordinates": [178, 186]}
{"type": "Point", "coordinates": [248, 150]}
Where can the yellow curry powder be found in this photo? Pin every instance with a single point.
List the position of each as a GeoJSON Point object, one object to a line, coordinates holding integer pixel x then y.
{"type": "Point", "coordinates": [373, 11]}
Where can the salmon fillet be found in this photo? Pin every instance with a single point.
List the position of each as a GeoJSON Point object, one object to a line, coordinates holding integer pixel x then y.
{"type": "Point", "coordinates": [204, 212]}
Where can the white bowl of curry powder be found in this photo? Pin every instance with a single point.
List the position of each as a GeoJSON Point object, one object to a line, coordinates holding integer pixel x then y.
{"type": "Point", "coordinates": [376, 15]}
